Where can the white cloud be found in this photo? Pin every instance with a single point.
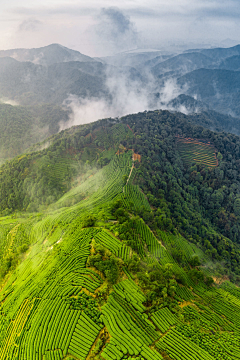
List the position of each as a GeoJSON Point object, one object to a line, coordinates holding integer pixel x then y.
{"type": "Point", "coordinates": [158, 21]}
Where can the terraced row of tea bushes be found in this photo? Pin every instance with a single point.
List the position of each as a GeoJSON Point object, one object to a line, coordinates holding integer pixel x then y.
{"type": "Point", "coordinates": [129, 291]}
{"type": "Point", "coordinates": [154, 247]}
{"type": "Point", "coordinates": [231, 289]}
{"type": "Point", "coordinates": [179, 347]}
{"type": "Point", "coordinates": [14, 242]}
{"type": "Point", "coordinates": [102, 187]}
{"type": "Point", "coordinates": [163, 319]}
{"type": "Point", "coordinates": [53, 355]}
{"type": "Point", "coordinates": [214, 318]}
{"type": "Point", "coordinates": [134, 199]}
{"type": "Point", "coordinates": [112, 136]}
{"type": "Point", "coordinates": [194, 151]}
{"type": "Point", "coordinates": [130, 181]}
{"type": "Point", "coordinates": [50, 329]}
{"type": "Point", "coordinates": [8, 347]}
{"type": "Point", "coordinates": [6, 225]}
{"type": "Point", "coordinates": [52, 317]}
{"type": "Point", "coordinates": [130, 331]}
{"type": "Point", "coordinates": [113, 244]}
{"type": "Point", "coordinates": [183, 293]}
{"type": "Point", "coordinates": [206, 317]}
{"type": "Point", "coordinates": [180, 244]}
{"type": "Point", "coordinates": [220, 345]}
{"type": "Point", "coordinates": [227, 306]}
{"type": "Point", "coordinates": [83, 337]}
{"type": "Point", "coordinates": [229, 297]}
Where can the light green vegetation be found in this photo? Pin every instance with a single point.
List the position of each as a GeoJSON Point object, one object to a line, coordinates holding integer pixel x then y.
{"type": "Point", "coordinates": [79, 290]}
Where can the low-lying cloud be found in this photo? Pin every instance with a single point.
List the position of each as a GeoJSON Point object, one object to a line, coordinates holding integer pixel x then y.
{"type": "Point", "coordinates": [126, 96]}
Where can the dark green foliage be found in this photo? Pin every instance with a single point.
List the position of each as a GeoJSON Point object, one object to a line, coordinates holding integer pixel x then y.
{"type": "Point", "coordinates": [194, 261]}
{"type": "Point", "coordinates": [89, 220]}
{"type": "Point", "coordinates": [87, 304]}
{"type": "Point", "coordinates": [106, 263]}
{"type": "Point", "coordinates": [159, 283]}
{"type": "Point", "coordinates": [198, 201]}
{"type": "Point", "coordinates": [134, 264]}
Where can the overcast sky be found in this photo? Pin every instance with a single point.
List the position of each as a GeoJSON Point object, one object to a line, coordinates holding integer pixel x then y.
{"type": "Point", "coordinates": [105, 27]}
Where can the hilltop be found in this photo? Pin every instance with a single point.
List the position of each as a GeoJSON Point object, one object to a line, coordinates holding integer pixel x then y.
{"type": "Point", "coordinates": [46, 55]}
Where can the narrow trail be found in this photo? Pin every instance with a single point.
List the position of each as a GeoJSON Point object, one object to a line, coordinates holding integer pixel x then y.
{"type": "Point", "coordinates": [129, 175]}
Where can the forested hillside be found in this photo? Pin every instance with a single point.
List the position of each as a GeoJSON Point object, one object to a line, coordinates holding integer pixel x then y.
{"type": "Point", "coordinates": [119, 243]}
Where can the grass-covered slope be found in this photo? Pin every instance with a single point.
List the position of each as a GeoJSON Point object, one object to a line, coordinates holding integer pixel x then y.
{"type": "Point", "coordinates": [92, 281]}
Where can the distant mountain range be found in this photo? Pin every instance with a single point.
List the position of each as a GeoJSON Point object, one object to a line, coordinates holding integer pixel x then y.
{"type": "Point", "coordinates": [202, 79]}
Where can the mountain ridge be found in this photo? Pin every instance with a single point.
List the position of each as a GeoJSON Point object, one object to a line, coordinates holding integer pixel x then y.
{"type": "Point", "coordinates": [46, 55]}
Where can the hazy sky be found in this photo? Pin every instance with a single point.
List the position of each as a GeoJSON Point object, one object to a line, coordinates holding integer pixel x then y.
{"type": "Point", "coordinates": [104, 27]}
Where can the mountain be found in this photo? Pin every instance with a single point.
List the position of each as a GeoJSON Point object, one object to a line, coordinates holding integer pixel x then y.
{"type": "Point", "coordinates": [120, 240]}
{"type": "Point", "coordinates": [46, 55]}
{"type": "Point", "coordinates": [28, 83]}
{"type": "Point", "coordinates": [138, 58]}
{"type": "Point", "coordinates": [231, 63]}
{"type": "Point", "coordinates": [193, 59]}
{"type": "Point", "coordinates": [208, 82]}
{"type": "Point", "coordinates": [202, 115]}
{"type": "Point", "coordinates": [190, 104]}
{"type": "Point", "coordinates": [182, 63]}
{"type": "Point", "coordinates": [218, 88]}
{"type": "Point", "coordinates": [211, 75]}
{"type": "Point", "coordinates": [221, 53]}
